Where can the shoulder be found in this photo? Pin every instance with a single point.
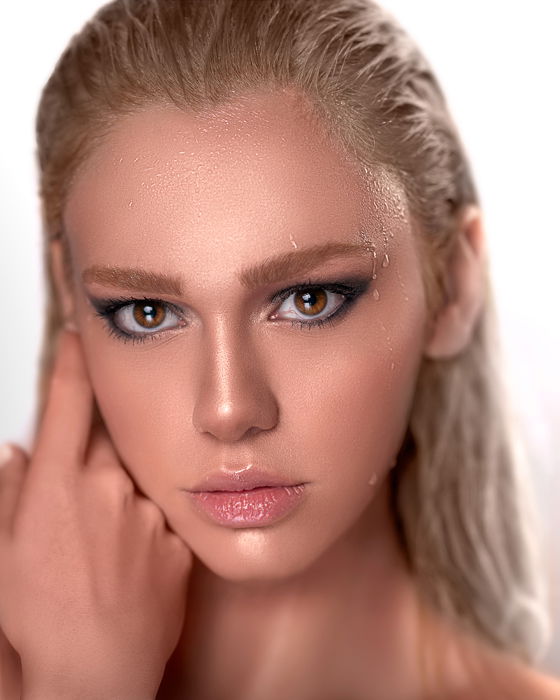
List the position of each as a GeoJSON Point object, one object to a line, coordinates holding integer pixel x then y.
{"type": "Point", "coordinates": [474, 670]}
{"type": "Point", "coordinates": [504, 677]}
{"type": "Point", "coordinates": [534, 684]}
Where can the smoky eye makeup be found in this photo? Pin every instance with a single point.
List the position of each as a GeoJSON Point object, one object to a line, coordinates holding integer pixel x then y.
{"type": "Point", "coordinates": [150, 315]}
{"type": "Point", "coordinates": [317, 303]}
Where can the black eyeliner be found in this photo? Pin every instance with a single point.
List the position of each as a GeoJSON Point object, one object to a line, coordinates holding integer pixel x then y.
{"type": "Point", "coordinates": [106, 308]}
{"type": "Point", "coordinates": [351, 288]}
{"type": "Point", "coordinates": [354, 286]}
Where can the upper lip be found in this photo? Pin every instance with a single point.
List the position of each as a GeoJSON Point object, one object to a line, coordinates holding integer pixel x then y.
{"type": "Point", "coordinates": [241, 480]}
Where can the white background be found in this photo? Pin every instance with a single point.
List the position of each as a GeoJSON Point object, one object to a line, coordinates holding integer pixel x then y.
{"type": "Point", "coordinates": [499, 65]}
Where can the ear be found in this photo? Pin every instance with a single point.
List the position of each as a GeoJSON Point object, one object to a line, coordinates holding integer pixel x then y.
{"type": "Point", "coordinates": [63, 289]}
{"type": "Point", "coordinates": [454, 323]}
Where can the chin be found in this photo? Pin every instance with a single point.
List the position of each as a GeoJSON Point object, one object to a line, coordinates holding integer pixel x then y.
{"type": "Point", "coordinates": [253, 556]}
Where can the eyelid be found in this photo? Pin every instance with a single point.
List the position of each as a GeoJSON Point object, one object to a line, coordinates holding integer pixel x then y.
{"type": "Point", "coordinates": [350, 288]}
{"type": "Point", "coordinates": [338, 285]}
{"type": "Point", "coordinates": [108, 304]}
{"type": "Point", "coordinates": [107, 309]}
{"type": "Point", "coordinates": [114, 304]}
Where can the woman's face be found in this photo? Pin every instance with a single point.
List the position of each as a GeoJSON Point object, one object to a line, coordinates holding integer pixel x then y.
{"type": "Point", "coordinates": [222, 371]}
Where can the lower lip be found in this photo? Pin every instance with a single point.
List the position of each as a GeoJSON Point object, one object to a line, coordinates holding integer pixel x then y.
{"type": "Point", "coordinates": [254, 508]}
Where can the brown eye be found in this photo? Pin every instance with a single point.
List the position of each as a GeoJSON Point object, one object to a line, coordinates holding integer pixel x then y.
{"type": "Point", "coordinates": [148, 314]}
{"type": "Point", "coordinates": [311, 302]}
{"type": "Point", "coordinates": [310, 305]}
{"type": "Point", "coordinates": [142, 316]}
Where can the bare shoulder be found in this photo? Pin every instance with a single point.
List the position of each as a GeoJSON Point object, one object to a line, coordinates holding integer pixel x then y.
{"type": "Point", "coordinates": [502, 676]}
{"type": "Point", "coordinates": [537, 685]}
{"type": "Point", "coordinates": [474, 670]}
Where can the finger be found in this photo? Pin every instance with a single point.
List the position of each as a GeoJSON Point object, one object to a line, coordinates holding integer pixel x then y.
{"type": "Point", "coordinates": [13, 468]}
{"type": "Point", "coordinates": [64, 431]}
{"type": "Point", "coordinates": [102, 456]}
{"type": "Point", "coordinates": [100, 447]}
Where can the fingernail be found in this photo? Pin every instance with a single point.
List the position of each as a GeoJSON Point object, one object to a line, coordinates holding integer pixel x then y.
{"type": "Point", "coordinates": [6, 453]}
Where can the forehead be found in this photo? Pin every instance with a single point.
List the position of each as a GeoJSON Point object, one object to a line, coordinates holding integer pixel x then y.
{"type": "Point", "coordinates": [253, 174]}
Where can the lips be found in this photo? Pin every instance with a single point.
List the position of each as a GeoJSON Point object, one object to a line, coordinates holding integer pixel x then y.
{"type": "Point", "coordinates": [241, 481]}
{"type": "Point", "coordinates": [246, 496]}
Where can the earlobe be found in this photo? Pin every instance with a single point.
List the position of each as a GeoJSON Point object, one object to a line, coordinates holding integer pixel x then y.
{"type": "Point", "coordinates": [63, 291]}
{"type": "Point", "coordinates": [454, 323]}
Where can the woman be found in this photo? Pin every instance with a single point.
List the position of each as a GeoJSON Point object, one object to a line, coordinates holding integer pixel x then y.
{"type": "Point", "coordinates": [271, 459]}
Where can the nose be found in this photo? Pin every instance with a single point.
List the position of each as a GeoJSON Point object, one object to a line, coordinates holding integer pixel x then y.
{"type": "Point", "coordinates": [234, 398]}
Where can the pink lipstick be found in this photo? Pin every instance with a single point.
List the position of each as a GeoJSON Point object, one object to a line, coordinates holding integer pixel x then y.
{"type": "Point", "coordinates": [249, 498]}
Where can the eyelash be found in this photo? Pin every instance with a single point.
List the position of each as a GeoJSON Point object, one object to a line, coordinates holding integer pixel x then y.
{"type": "Point", "coordinates": [351, 290]}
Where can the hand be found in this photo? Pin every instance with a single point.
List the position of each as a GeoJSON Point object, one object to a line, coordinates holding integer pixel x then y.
{"type": "Point", "coordinates": [92, 581]}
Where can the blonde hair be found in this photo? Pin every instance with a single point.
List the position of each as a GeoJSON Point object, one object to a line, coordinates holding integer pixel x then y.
{"type": "Point", "coordinates": [459, 500]}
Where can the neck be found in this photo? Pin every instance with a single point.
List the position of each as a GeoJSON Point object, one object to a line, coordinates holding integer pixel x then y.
{"type": "Point", "coordinates": [349, 621]}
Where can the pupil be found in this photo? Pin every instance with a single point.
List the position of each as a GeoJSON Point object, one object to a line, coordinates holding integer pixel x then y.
{"type": "Point", "coordinates": [147, 315]}
{"type": "Point", "coordinates": [307, 296]}
{"type": "Point", "coordinates": [314, 301]}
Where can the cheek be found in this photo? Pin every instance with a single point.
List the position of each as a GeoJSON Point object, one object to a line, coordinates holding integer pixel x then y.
{"type": "Point", "coordinates": [357, 408]}
{"type": "Point", "coordinates": [139, 398]}
{"type": "Point", "coordinates": [343, 401]}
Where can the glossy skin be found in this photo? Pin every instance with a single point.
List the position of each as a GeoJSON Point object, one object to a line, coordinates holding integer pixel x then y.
{"type": "Point", "coordinates": [202, 198]}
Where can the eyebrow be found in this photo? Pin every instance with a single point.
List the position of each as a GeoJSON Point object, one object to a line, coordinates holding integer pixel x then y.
{"type": "Point", "coordinates": [271, 270]}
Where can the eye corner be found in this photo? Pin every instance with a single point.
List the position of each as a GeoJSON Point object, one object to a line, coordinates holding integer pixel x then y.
{"type": "Point", "coordinates": [349, 290]}
{"type": "Point", "coordinates": [108, 309]}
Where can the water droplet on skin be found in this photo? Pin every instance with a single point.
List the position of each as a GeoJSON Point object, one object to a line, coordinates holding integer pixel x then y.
{"type": "Point", "coordinates": [292, 241]}
{"type": "Point", "coordinates": [374, 265]}
{"type": "Point", "coordinates": [130, 204]}
{"type": "Point", "coordinates": [373, 479]}
{"type": "Point", "coordinates": [376, 295]}
{"type": "Point", "coordinates": [370, 248]}
{"type": "Point", "coordinates": [392, 366]}
{"type": "Point", "coordinates": [385, 262]}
